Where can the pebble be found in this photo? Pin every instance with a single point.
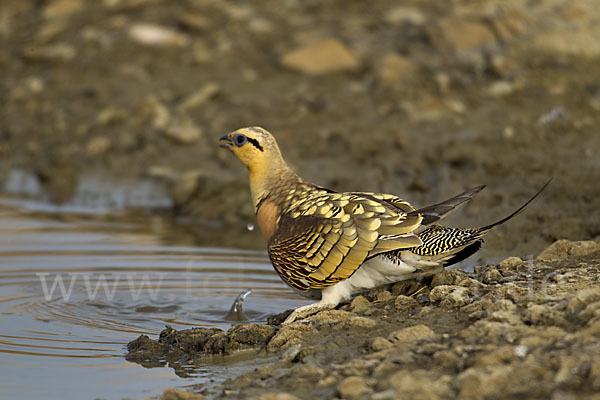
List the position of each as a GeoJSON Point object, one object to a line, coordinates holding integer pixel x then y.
{"type": "Point", "coordinates": [459, 34]}
{"type": "Point", "coordinates": [393, 69]}
{"type": "Point", "coordinates": [401, 15]}
{"type": "Point", "coordinates": [178, 394]}
{"type": "Point", "coordinates": [324, 56]}
{"type": "Point", "coordinates": [199, 97]}
{"type": "Point", "coordinates": [379, 343]}
{"type": "Point", "coordinates": [98, 145]}
{"type": "Point", "coordinates": [183, 130]}
{"type": "Point", "coordinates": [157, 35]}
{"type": "Point", "coordinates": [411, 334]}
{"type": "Point", "coordinates": [353, 387]}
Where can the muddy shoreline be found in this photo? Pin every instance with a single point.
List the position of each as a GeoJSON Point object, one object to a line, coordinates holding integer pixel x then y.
{"type": "Point", "coordinates": [519, 328]}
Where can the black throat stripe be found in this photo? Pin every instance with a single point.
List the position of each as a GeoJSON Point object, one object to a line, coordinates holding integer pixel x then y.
{"type": "Point", "coordinates": [255, 143]}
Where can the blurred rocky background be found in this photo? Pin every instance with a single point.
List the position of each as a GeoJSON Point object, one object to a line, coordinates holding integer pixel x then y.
{"type": "Point", "coordinates": [419, 98]}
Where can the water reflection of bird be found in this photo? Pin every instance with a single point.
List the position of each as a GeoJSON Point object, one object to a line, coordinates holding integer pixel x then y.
{"type": "Point", "coordinates": [331, 245]}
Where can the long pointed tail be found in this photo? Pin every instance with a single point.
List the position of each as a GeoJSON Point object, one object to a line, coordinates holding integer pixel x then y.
{"type": "Point", "coordinates": [487, 228]}
{"type": "Point", "coordinates": [435, 212]}
{"type": "Point", "coordinates": [448, 246]}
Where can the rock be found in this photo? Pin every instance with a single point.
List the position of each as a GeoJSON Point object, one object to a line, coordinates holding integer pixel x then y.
{"type": "Point", "coordinates": [413, 334]}
{"type": "Point", "coordinates": [503, 305]}
{"type": "Point", "coordinates": [98, 145]}
{"type": "Point", "coordinates": [446, 359]}
{"type": "Point", "coordinates": [190, 343]}
{"type": "Point", "coordinates": [451, 296]}
{"type": "Point", "coordinates": [401, 15]}
{"type": "Point", "coordinates": [359, 303]}
{"type": "Point", "coordinates": [331, 317]}
{"type": "Point", "coordinates": [290, 335]}
{"type": "Point", "coordinates": [421, 384]}
{"type": "Point", "coordinates": [291, 353]}
{"type": "Point", "coordinates": [157, 35]}
{"type": "Point", "coordinates": [195, 21]}
{"type": "Point", "coordinates": [199, 97]}
{"type": "Point", "coordinates": [501, 89]}
{"type": "Point", "coordinates": [491, 275]}
{"type": "Point", "coordinates": [178, 394]}
{"type": "Point", "coordinates": [562, 249]}
{"type": "Point", "coordinates": [510, 263]}
{"type": "Point", "coordinates": [379, 343]}
{"type": "Point", "coordinates": [49, 53]}
{"type": "Point", "coordinates": [510, 22]}
{"type": "Point", "coordinates": [393, 69]}
{"type": "Point", "coordinates": [324, 56]}
{"type": "Point", "coordinates": [459, 34]}
{"type": "Point", "coordinates": [405, 303]}
{"type": "Point", "coordinates": [278, 396]}
{"type": "Point", "coordinates": [62, 8]}
{"type": "Point", "coordinates": [504, 381]}
{"type": "Point", "coordinates": [569, 41]}
{"type": "Point", "coordinates": [507, 317]}
{"type": "Point", "coordinates": [307, 372]}
{"type": "Point", "coordinates": [581, 299]}
{"type": "Point", "coordinates": [353, 387]}
{"type": "Point", "coordinates": [183, 130]}
{"type": "Point", "coordinates": [359, 322]}
{"type": "Point", "coordinates": [538, 314]}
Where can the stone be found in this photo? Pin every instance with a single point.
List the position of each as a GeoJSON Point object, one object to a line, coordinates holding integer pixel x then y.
{"type": "Point", "coordinates": [501, 89]}
{"type": "Point", "coordinates": [421, 384]}
{"type": "Point", "coordinates": [60, 51]}
{"type": "Point", "coordinates": [324, 56]}
{"type": "Point", "coordinates": [379, 343]}
{"type": "Point", "coordinates": [183, 130]}
{"type": "Point", "coordinates": [562, 249]}
{"type": "Point", "coordinates": [510, 263]}
{"type": "Point", "coordinates": [393, 69]}
{"type": "Point", "coordinates": [359, 322]}
{"type": "Point", "coordinates": [157, 35]}
{"type": "Point", "coordinates": [507, 317]}
{"type": "Point", "coordinates": [199, 97]}
{"type": "Point", "coordinates": [178, 394]}
{"type": "Point", "coordinates": [405, 303]}
{"type": "Point", "coordinates": [459, 34]}
{"type": "Point", "coordinates": [353, 387]}
{"type": "Point", "coordinates": [277, 396]}
{"type": "Point", "coordinates": [290, 335]}
{"type": "Point", "coordinates": [195, 21]}
{"type": "Point", "coordinates": [401, 15]}
{"type": "Point", "coordinates": [98, 145]}
{"type": "Point", "coordinates": [411, 335]}
{"type": "Point", "coordinates": [451, 296]}
{"type": "Point", "coordinates": [581, 299]}
{"type": "Point", "coordinates": [308, 372]}
{"type": "Point", "coordinates": [359, 303]}
{"type": "Point", "coordinates": [62, 8]}
{"type": "Point", "coordinates": [569, 41]}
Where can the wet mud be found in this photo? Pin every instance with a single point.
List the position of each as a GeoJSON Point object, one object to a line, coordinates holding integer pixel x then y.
{"type": "Point", "coordinates": [522, 328]}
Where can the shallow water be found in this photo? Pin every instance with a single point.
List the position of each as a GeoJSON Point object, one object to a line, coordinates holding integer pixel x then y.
{"type": "Point", "coordinates": [119, 280]}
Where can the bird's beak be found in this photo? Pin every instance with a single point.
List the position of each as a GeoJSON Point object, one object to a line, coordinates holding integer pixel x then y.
{"type": "Point", "coordinates": [225, 141]}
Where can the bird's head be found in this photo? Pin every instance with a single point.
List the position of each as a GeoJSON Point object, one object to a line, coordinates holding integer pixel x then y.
{"type": "Point", "coordinates": [253, 146]}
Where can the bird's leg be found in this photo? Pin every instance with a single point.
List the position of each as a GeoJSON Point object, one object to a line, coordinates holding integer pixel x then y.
{"type": "Point", "coordinates": [330, 297]}
{"type": "Point", "coordinates": [306, 311]}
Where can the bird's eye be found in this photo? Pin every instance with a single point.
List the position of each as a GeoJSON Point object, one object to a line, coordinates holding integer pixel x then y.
{"type": "Point", "coordinates": [240, 140]}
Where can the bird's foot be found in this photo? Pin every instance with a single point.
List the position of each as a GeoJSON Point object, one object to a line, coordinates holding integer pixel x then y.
{"type": "Point", "coordinates": [306, 311]}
